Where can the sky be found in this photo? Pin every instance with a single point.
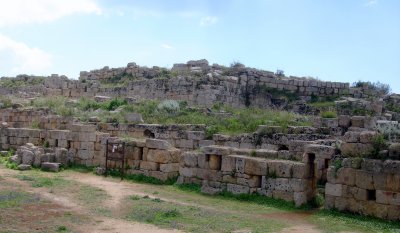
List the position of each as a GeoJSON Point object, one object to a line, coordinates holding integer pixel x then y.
{"type": "Point", "coordinates": [333, 40]}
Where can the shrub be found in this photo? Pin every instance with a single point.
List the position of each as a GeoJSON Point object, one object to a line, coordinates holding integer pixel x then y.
{"type": "Point", "coordinates": [5, 102]}
{"type": "Point", "coordinates": [378, 87]}
{"type": "Point", "coordinates": [113, 104]}
{"type": "Point", "coordinates": [170, 107]}
{"type": "Point", "coordinates": [328, 114]}
{"type": "Point", "coordinates": [378, 143]}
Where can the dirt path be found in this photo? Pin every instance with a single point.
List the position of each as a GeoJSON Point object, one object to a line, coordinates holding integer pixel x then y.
{"type": "Point", "coordinates": [119, 190]}
{"type": "Point", "coordinates": [102, 224]}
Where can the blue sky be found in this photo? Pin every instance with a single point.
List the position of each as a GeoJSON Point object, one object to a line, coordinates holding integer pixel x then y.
{"type": "Point", "coordinates": [336, 40]}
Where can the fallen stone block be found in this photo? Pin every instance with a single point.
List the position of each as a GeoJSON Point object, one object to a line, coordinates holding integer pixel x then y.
{"type": "Point", "coordinates": [51, 167]}
{"type": "Point", "coordinates": [24, 167]}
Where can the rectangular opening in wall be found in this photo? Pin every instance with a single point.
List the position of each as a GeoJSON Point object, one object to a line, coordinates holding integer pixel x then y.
{"type": "Point", "coordinates": [326, 163]}
{"type": "Point", "coordinates": [68, 144]}
{"type": "Point", "coordinates": [371, 194]}
{"type": "Point", "coordinates": [56, 143]}
{"type": "Point", "coordinates": [311, 165]}
{"type": "Point", "coordinates": [207, 158]}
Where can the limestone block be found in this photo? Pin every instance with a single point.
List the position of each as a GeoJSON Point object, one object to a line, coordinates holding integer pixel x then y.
{"type": "Point", "coordinates": [210, 190]}
{"type": "Point", "coordinates": [211, 175]}
{"type": "Point", "coordinates": [195, 135]}
{"type": "Point", "coordinates": [62, 157]}
{"type": "Point", "coordinates": [393, 212]}
{"type": "Point", "coordinates": [24, 167]}
{"type": "Point", "coordinates": [364, 179]}
{"type": "Point", "coordinates": [27, 157]}
{"type": "Point", "coordinates": [300, 198]}
{"type": "Point", "coordinates": [216, 150]}
{"type": "Point", "coordinates": [189, 159]}
{"type": "Point", "coordinates": [255, 166]}
{"type": "Point", "coordinates": [299, 170]}
{"type": "Point", "coordinates": [344, 121]}
{"type": "Point", "coordinates": [329, 201]}
{"type": "Point", "coordinates": [372, 165]}
{"type": "Point", "coordinates": [171, 167]}
{"type": "Point", "coordinates": [240, 164]}
{"type": "Point", "coordinates": [298, 185]}
{"type": "Point", "coordinates": [283, 184]}
{"type": "Point", "coordinates": [85, 154]}
{"type": "Point", "coordinates": [184, 143]}
{"type": "Point", "coordinates": [87, 145]}
{"type": "Point", "coordinates": [367, 136]}
{"type": "Point", "coordinates": [391, 166]}
{"type": "Point", "coordinates": [215, 162]}
{"type": "Point", "coordinates": [341, 203]}
{"type": "Point", "coordinates": [202, 161]}
{"type": "Point", "coordinates": [393, 182]}
{"type": "Point", "coordinates": [380, 181]}
{"type": "Point", "coordinates": [87, 137]}
{"type": "Point", "coordinates": [351, 136]}
{"type": "Point", "coordinates": [152, 166]}
{"type": "Point", "coordinates": [188, 172]}
{"type": "Point", "coordinates": [163, 175]}
{"type": "Point", "coordinates": [346, 176]}
{"type": "Point", "coordinates": [252, 182]}
{"type": "Point", "coordinates": [229, 179]}
{"type": "Point", "coordinates": [333, 189]}
{"type": "Point", "coordinates": [237, 189]}
{"type": "Point", "coordinates": [157, 144]}
{"type": "Point", "coordinates": [52, 167]}
{"type": "Point", "coordinates": [228, 164]}
{"type": "Point", "coordinates": [280, 168]}
{"type": "Point", "coordinates": [321, 151]}
{"type": "Point", "coordinates": [357, 121]}
{"type": "Point", "coordinates": [159, 156]}
{"type": "Point", "coordinates": [394, 151]}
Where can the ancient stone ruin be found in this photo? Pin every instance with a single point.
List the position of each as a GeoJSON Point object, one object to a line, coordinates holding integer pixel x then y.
{"type": "Point", "coordinates": [352, 158]}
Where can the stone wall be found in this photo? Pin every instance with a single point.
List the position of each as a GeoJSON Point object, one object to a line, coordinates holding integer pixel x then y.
{"type": "Point", "coordinates": [196, 82]}
{"type": "Point", "coordinates": [365, 186]}
{"type": "Point", "coordinates": [219, 168]}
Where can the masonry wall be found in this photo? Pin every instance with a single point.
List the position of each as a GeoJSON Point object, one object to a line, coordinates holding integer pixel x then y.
{"type": "Point", "coordinates": [365, 186]}
{"type": "Point", "coordinates": [217, 169]}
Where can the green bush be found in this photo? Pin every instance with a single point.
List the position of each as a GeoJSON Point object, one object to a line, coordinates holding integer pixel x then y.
{"type": "Point", "coordinates": [328, 114]}
{"type": "Point", "coordinates": [378, 143]}
{"type": "Point", "coordinates": [170, 107]}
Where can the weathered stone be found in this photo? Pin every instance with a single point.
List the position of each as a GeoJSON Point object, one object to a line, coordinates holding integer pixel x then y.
{"type": "Point", "coordinates": [134, 118]}
{"type": "Point", "coordinates": [300, 198]}
{"type": "Point", "coordinates": [157, 144]}
{"type": "Point", "coordinates": [146, 165]}
{"type": "Point", "coordinates": [351, 136]}
{"type": "Point", "coordinates": [24, 167]}
{"type": "Point", "coordinates": [333, 189]}
{"type": "Point", "coordinates": [254, 166]}
{"type": "Point", "coordinates": [171, 167]}
{"type": "Point", "coordinates": [394, 151]}
{"type": "Point", "coordinates": [52, 167]}
{"type": "Point", "coordinates": [189, 159]}
{"type": "Point", "coordinates": [364, 180]}
{"type": "Point", "coordinates": [159, 156]}
{"type": "Point", "coordinates": [344, 121]}
{"type": "Point", "coordinates": [228, 164]}
{"type": "Point", "coordinates": [62, 157]}
{"type": "Point", "coordinates": [237, 189]}
{"type": "Point", "coordinates": [367, 136]}
{"type": "Point", "coordinates": [28, 157]}
{"type": "Point", "coordinates": [216, 150]}
{"type": "Point", "coordinates": [357, 121]}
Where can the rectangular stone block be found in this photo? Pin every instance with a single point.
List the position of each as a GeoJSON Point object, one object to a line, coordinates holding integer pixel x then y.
{"type": "Point", "coordinates": [146, 165]}
{"type": "Point", "coordinates": [333, 189]}
{"type": "Point", "coordinates": [254, 166]}
{"type": "Point", "coordinates": [171, 167]}
{"type": "Point", "coordinates": [237, 189]}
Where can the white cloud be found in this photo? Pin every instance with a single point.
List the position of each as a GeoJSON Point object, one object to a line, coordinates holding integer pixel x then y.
{"type": "Point", "coordinates": [167, 46]}
{"type": "Point", "coordinates": [16, 12]}
{"type": "Point", "coordinates": [371, 3]}
{"type": "Point", "coordinates": [208, 20]}
{"type": "Point", "coordinates": [20, 58]}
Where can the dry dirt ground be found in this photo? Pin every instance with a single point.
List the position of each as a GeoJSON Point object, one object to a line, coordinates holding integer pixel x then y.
{"type": "Point", "coordinates": [102, 206]}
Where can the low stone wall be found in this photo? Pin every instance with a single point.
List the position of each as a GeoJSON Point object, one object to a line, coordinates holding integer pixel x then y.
{"type": "Point", "coordinates": [150, 157]}
{"type": "Point", "coordinates": [365, 186]}
{"type": "Point", "coordinates": [217, 169]}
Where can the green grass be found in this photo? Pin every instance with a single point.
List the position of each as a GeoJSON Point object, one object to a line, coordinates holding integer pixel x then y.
{"type": "Point", "coordinates": [235, 121]}
{"type": "Point", "coordinates": [327, 104]}
{"type": "Point", "coordinates": [38, 181]}
{"type": "Point", "coordinates": [328, 114]}
{"type": "Point", "coordinates": [191, 218]}
{"type": "Point", "coordinates": [335, 221]}
{"type": "Point", "coordinates": [140, 178]}
{"type": "Point", "coordinates": [13, 199]}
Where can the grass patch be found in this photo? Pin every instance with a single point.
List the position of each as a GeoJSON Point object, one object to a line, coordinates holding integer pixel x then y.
{"type": "Point", "coordinates": [140, 178]}
{"type": "Point", "coordinates": [12, 199]}
{"type": "Point", "coordinates": [328, 114]}
{"type": "Point", "coordinates": [323, 104]}
{"type": "Point", "coordinates": [195, 219]}
{"type": "Point", "coordinates": [48, 182]}
{"type": "Point", "coordinates": [335, 221]}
